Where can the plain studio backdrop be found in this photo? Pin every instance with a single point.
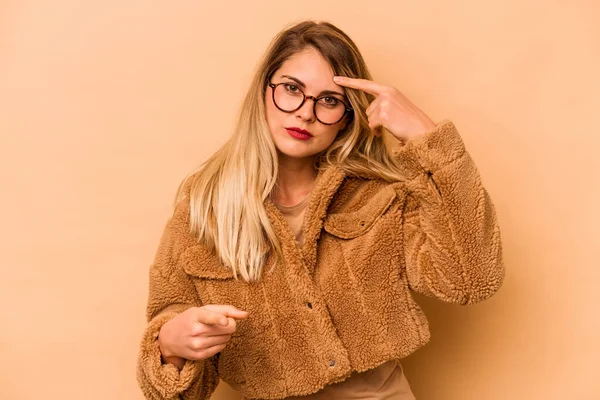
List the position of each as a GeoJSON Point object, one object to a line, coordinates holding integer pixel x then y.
{"type": "Point", "coordinates": [105, 106]}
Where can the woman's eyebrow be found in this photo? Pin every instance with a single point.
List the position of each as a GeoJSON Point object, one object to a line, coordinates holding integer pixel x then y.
{"type": "Point", "coordinates": [303, 85]}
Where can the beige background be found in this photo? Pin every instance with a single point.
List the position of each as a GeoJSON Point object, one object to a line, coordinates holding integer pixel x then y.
{"type": "Point", "coordinates": [105, 106]}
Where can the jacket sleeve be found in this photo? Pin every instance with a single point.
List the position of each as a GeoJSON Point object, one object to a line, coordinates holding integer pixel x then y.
{"type": "Point", "coordinates": [452, 243]}
{"type": "Point", "coordinates": [171, 292]}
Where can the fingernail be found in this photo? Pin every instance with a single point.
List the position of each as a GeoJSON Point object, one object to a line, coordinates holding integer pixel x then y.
{"type": "Point", "coordinates": [224, 322]}
{"type": "Point", "coordinates": [337, 78]}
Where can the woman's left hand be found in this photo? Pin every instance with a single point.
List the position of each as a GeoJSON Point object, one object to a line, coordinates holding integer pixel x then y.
{"type": "Point", "coordinates": [390, 109]}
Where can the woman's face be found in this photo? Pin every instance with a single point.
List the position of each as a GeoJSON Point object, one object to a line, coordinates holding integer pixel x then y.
{"type": "Point", "coordinates": [309, 72]}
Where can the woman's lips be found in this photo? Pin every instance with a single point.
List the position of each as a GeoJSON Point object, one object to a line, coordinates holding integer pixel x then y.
{"type": "Point", "coordinates": [298, 134]}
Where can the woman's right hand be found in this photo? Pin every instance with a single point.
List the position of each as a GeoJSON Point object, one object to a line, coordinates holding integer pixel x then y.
{"type": "Point", "coordinates": [198, 333]}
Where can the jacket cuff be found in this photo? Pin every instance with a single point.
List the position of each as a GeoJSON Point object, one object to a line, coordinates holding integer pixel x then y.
{"type": "Point", "coordinates": [164, 379]}
{"type": "Point", "coordinates": [431, 151]}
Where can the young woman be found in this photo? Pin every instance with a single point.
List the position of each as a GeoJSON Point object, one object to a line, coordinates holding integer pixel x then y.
{"type": "Point", "coordinates": [287, 267]}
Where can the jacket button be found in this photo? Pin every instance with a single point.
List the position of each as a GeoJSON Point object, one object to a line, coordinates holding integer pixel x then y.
{"type": "Point", "coordinates": [309, 304]}
{"type": "Point", "coordinates": [331, 363]}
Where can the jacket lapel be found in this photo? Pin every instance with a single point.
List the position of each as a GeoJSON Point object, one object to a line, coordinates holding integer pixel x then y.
{"type": "Point", "coordinates": [327, 183]}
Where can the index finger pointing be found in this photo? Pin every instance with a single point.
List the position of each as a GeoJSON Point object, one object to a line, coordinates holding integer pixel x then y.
{"type": "Point", "coordinates": [360, 84]}
{"type": "Point", "coordinates": [210, 317]}
{"type": "Point", "coordinates": [227, 310]}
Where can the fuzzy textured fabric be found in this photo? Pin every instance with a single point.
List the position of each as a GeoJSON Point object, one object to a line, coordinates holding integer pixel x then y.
{"type": "Point", "coordinates": [342, 301]}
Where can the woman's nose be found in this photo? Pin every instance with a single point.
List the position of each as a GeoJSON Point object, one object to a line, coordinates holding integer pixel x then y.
{"type": "Point", "coordinates": [307, 111]}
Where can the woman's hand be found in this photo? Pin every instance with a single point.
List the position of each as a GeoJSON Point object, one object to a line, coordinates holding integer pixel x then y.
{"type": "Point", "coordinates": [198, 333]}
{"type": "Point", "coordinates": [390, 109]}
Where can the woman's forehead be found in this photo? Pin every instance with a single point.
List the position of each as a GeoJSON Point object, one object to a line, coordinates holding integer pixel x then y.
{"type": "Point", "coordinates": [310, 68]}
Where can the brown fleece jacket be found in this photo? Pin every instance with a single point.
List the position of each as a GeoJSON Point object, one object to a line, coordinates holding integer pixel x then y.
{"type": "Point", "coordinates": [342, 302]}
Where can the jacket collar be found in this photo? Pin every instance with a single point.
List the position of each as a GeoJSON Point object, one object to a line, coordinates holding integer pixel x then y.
{"type": "Point", "coordinates": [327, 182]}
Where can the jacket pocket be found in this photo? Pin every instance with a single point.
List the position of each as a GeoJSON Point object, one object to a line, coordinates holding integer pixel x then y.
{"type": "Point", "coordinates": [215, 284]}
{"type": "Point", "coordinates": [200, 263]}
{"type": "Point", "coordinates": [348, 225]}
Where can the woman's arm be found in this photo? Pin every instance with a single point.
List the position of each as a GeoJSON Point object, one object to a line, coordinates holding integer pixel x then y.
{"type": "Point", "coordinates": [170, 293]}
{"type": "Point", "coordinates": [452, 243]}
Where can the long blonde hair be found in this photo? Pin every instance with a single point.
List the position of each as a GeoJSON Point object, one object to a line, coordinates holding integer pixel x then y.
{"type": "Point", "coordinates": [228, 190]}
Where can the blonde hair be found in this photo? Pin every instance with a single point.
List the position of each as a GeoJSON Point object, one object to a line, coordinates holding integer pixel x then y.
{"type": "Point", "coordinates": [228, 190]}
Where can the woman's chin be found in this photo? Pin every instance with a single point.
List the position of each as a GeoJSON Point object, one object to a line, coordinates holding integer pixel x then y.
{"type": "Point", "coordinates": [295, 153]}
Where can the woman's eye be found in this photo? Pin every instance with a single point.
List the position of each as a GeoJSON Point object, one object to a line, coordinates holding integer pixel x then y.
{"type": "Point", "coordinates": [330, 101]}
{"type": "Point", "coordinates": [291, 88]}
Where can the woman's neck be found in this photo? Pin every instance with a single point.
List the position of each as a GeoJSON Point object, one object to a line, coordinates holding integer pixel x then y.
{"type": "Point", "coordinates": [295, 181]}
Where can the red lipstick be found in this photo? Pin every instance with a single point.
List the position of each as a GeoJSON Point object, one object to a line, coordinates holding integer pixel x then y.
{"type": "Point", "coordinates": [299, 133]}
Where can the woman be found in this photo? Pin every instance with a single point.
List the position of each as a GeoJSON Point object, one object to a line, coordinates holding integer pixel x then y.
{"type": "Point", "coordinates": [287, 266]}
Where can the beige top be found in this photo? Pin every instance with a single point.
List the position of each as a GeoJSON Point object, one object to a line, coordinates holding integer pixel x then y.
{"type": "Point", "coordinates": [387, 381]}
{"type": "Point", "coordinates": [294, 216]}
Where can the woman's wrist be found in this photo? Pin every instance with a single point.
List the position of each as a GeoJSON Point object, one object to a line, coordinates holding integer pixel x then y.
{"type": "Point", "coordinates": [164, 351]}
{"type": "Point", "coordinates": [167, 357]}
{"type": "Point", "coordinates": [175, 360]}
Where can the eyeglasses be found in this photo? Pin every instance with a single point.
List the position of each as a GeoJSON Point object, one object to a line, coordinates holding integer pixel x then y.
{"type": "Point", "coordinates": [328, 109]}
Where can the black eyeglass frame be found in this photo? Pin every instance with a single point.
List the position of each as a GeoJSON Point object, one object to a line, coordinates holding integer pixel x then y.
{"type": "Point", "coordinates": [347, 108]}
